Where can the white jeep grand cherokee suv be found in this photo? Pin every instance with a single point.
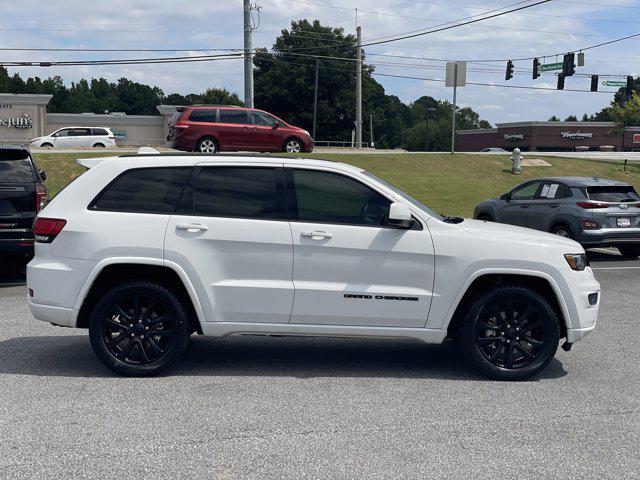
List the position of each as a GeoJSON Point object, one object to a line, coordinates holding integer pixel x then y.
{"type": "Point", "coordinates": [145, 250]}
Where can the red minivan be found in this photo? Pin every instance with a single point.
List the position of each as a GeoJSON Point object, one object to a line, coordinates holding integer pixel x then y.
{"type": "Point", "coordinates": [211, 129]}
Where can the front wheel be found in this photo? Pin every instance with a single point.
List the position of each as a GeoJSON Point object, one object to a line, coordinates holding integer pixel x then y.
{"type": "Point", "coordinates": [510, 333]}
{"type": "Point", "coordinates": [293, 145]}
{"type": "Point", "coordinates": [139, 329]}
{"type": "Point", "coordinates": [629, 251]}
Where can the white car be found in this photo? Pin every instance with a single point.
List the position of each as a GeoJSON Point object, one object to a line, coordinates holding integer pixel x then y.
{"type": "Point", "coordinates": [74, 137]}
{"type": "Point", "coordinates": [144, 250]}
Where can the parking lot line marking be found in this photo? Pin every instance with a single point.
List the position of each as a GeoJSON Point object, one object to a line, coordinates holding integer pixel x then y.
{"type": "Point", "coordinates": [614, 268]}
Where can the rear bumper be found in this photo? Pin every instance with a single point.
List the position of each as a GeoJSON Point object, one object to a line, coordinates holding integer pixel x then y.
{"type": "Point", "coordinates": [64, 317]}
{"type": "Point", "coordinates": [17, 246]}
{"type": "Point", "coordinates": [609, 236]}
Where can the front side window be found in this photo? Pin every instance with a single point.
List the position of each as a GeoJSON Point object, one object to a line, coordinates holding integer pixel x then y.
{"type": "Point", "coordinates": [264, 119]}
{"type": "Point", "coordinates": [325, 197]}
{"type": "Point", "coordinates": [143, 190]}
{"type": "Point", "coordinates": [203, 115]}
{"type": "Point", "coordinates": [526, 192]}
{"type": "Point", "coordinates": [234, 116]}
{"type": "Point", "coordinates": [239, 192]}
{"type": "Point", "coordinates": [62, 133]}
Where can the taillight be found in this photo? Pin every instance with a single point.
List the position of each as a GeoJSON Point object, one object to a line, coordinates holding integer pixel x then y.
{"type": "Point", "coordinates": [41, 197]}
{"type": "Point", "coordinates": [592, 205]}
{"type": "Point", "coordinates": [590, 224]}
{"type": "Point", "coordinates": [112, 137]}
{"type": "Point", "coordinates": [47, 229]}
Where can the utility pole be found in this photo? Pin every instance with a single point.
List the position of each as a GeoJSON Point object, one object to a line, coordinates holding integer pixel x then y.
{"type": "Point", "coordinates": [359, 87]}
{"type": "Point", "coordinates": [371, 144]}
{"type": "Point", "coordinates": [248, 58]}
{"type": "Point", "coordinates": [453, 115]}
{"type": "Point", "coordinates": [315, 99]}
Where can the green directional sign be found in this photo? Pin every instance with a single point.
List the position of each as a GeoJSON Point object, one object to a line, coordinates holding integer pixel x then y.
{"type": "Point", "coordinates": [614, 83]}
{"type": "Point", "coordinates": [551, 66]}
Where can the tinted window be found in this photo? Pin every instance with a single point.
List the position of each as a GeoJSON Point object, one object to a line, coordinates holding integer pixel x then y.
{"type": "Point", "coordinates": [551, 191]}
{"type": "Point", "coordinates": [613, 194]}
{"type": "Point", "coordinates": [264, 119]}
{"type": "Point", "coordinates": [100, 131]}
{"type": "Point", "coordinates": [332, 198]}
{"type": "Point", "coordinates": [62, 133]}
{"type": "Point", "coordinates": [525, 192]}
{"type": "Point", "coordinates": [240, 192]}
{"type": "Point", "coordinates": [233, 116]}
{"type": "Point", "coordinates": [80, 132]}
{"type": "Point", "coordinates": [15, 170]}
{"type": "Point", "coordinates": [203, 116]}
{"type": "Point", "coordinates": [144, 190]}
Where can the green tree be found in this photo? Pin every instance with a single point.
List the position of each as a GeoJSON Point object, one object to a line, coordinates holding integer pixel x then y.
{"type": "Point", "coordinates": [571, 118]}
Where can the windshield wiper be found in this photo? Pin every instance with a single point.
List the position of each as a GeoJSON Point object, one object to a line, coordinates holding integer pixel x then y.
{"type": "Point", "coordinates": [447, 219]}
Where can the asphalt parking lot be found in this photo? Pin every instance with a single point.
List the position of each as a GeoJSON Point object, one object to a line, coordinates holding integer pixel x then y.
{"type": "Point", "coordinates": [321, 408]}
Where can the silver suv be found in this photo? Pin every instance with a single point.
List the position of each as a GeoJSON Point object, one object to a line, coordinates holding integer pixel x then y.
{"type": "Point", "coordinates": [593, 211]}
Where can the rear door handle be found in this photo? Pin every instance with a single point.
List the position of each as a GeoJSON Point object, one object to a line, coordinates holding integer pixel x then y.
{"type": "Point", "coordinates": [555, 205]}
{"type": "Point", "coordinates": [192, 227]}
{"type": "Point", "coordinates": [524, 206]}
{"type": "Point", "coordinates": [316, 235]}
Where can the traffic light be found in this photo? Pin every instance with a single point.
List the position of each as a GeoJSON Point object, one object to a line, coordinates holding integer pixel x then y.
{"type": "Point", "coordinates": [629, 90]}
{"type": "Point", "coordinates": [560, 81]}
{"type": "Point", "coordinates": [569, 65]}
{"type": "Point", "coordinates": [594, 83]}
{"type": "Point", "coordinates": [509, 74]}
{"type": "Point", "coordinates": [536, 68]}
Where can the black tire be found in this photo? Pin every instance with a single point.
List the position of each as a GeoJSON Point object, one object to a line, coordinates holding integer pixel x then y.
{"type": "Point", "coordinates": [46, 145]}
{"type": "Point", "coordinates": [486, 217]}
{"type": "Point", "coordinates": [147, 347]}
{"type": "Point", "coordinates": [98, 145]}
{"type": "Point", "coordinates": [629, 251]}
{"type": "Point", "coordinates": [503, 314]}
{"type": "Point", "coordinates": [208, 145]}
{"type": "Point", "coordinates": [293, 145]}
{"type": "Point", "coordinates": [563, 231]}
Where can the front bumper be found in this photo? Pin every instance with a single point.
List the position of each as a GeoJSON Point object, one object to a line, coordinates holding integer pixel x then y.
{"type": "Point", "coordinates": [584, 317]}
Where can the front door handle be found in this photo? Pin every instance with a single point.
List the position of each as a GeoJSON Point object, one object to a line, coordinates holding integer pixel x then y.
{"type": "Point", "coordinates": [316, 235]}
{"type": "Point", "coordinates": [555, 205]}
{"type": "Point", "coordinates": [192, 227]}
{"type": "Point", "coordinates": [524, 206]}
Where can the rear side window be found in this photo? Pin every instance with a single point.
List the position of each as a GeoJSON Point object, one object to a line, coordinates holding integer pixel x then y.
{"type": "Point", "coordinates": [202, 115]}
{"type": "Point", "coordinates": [80, 132]}
{"type": "Point", "coordinates": [613, 194]}
{"type": "Point", "coordinates": [143, 190]}
{"type": "Point", "coordinates": [325, 197]}
{"type": "Point", "coordinates": [239, 192]}
{"type": "Point", "coordinates": [100, 131]}
{"type": "Point", "coordinates": [16, 170]}
{"type": "Point", "coordinates": [234, 116]}
{"type": "Point", "coordinates": [552, 191]}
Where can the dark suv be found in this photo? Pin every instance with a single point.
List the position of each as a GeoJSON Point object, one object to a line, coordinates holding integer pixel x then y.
{"type": "Point", "coordinates": [22, 195]}
{"type": "Point", "coordinates": [210, 129]}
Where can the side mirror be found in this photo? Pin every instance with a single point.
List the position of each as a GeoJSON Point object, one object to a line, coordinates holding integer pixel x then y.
{"type": "Point", "coordinates": [505, 196]}
{"type": "Point", "coordinates": [43, 175]}
{"type": "Point", "coordinates": [399, 216]}
{"type": "Point", "coordinates": [276, 125]}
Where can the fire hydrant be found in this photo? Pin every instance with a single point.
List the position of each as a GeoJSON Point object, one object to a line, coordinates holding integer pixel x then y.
{"type": "Point", "coordinates": [516, 158]}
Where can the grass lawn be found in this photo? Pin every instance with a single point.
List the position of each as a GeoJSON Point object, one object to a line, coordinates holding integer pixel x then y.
{"type": "Point", "coordinates": [450, 184]}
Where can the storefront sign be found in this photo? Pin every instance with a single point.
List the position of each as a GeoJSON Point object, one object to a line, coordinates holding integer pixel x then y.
{"type": "Point", "coordinates": [576, 135]}
{"type": "Point", "coordinates": [120, 134]}
{"type": "Point", "coordinates": [513, 137]}
{"type": "Point", "coordinates": [19, 121]}
{"type": "Point", "coordinates": [636, 138]}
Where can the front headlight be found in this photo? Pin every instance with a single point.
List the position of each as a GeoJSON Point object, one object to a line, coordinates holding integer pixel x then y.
{"type": "Point", "coordinates": [577, 261]}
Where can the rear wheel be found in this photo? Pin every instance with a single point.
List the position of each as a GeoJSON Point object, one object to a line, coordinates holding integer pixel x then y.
{"type": "Point", "coordinates": [563, 231]}
{"type": "Point", "coordinates": [207, 145]}
{"type": "Point", "coordinates": [98, 145]}
{"type": "Point", "coordinates": [510, 333]}
{"type": "Point", "coordinates": [630, 251]}
{"type": "Point", "coordinates": [139, 329]}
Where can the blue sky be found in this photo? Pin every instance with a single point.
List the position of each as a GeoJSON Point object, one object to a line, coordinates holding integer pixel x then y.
{"type": "Point", "coordinates": [558, 26]}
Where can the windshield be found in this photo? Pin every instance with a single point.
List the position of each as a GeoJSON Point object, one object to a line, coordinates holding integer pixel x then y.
{"type": "Point", "coordinates": [404, 195]}
{"type": "Point", "coordinates": [613, 194]}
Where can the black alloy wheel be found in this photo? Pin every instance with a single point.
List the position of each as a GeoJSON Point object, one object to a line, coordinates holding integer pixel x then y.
{"type": "Point", "coordinates": [139, 329]}
{"type": "Point", "coordinates": [510, 333]}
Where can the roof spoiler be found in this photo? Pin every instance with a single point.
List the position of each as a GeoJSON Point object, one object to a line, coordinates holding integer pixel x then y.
{"type": "Point", "coordinates": [92, 162]}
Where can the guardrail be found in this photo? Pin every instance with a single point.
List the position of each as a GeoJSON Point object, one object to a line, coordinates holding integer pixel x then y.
{"type": "Point", "coordinates": [338, 144]}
